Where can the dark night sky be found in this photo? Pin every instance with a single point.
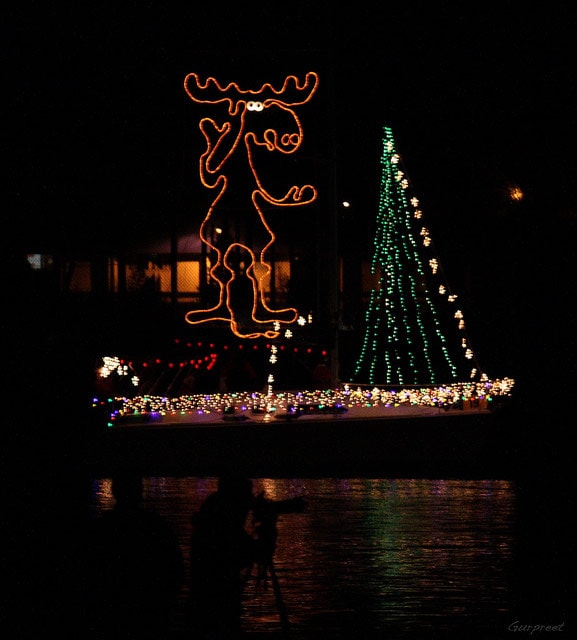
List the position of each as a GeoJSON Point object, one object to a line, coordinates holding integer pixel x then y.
{"type": "Point", "coordinates": [100, 139]}
{"type": "Point", "coordinates": [99, 121]}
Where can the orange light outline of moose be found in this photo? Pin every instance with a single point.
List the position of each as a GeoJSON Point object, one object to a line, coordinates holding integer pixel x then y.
{"type": "Point", "coordinates": [295, 196]}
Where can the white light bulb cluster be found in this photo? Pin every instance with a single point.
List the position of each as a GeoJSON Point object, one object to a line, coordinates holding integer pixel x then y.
{"type": "Point", "coordinates": [212, 405]}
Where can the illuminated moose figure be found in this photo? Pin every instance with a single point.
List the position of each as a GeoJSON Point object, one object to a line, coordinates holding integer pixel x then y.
{"type": "Point", "coordinates": [235, 227]}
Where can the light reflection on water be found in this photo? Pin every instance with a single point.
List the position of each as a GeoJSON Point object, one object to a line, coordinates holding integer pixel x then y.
{"type": "Point", "coordinates": [370, 554]}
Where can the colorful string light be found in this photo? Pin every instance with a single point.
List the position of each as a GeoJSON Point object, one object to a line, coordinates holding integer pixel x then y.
{"type": "Point", "coordinates": [360, 402]}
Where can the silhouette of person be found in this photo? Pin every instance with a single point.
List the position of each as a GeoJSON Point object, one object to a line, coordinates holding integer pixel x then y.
{"type": "Point", "coordinates": [137, 567]}
{"type": "Point", "coordinates": [237, 374]}
{"type": "Point", "coordinates": [225, 545]}
{"type": "Point", "coordinates": [221, 549]}
{"type": "Point", "coordinates": [188, 385]}
{"type": "Point", "coordinates": [321, 375]}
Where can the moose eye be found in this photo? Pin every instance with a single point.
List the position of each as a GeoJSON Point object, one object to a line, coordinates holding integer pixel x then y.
{"type": "Point", "coordinates": [254, 106]}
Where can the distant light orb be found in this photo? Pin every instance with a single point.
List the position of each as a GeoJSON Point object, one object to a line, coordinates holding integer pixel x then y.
{"type": "Point", "coordinates": [515, 193]}
{"type": "Point", "coordinates": [346, 204]}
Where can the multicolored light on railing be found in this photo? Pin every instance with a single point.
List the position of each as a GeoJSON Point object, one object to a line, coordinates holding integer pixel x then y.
{"type": "Point", "coordinates": [192, 407]}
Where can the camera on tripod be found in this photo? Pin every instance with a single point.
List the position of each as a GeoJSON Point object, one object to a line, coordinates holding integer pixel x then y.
{"type": "Point", "coordinates": [265, 514]}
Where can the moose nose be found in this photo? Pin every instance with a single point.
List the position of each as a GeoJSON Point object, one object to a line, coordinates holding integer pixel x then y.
{"type": "Point", "coordinates": [290, 140]}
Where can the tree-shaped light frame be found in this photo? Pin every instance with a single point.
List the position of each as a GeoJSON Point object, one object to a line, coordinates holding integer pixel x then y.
{"type": "Point", "coordinates": [413, 324]}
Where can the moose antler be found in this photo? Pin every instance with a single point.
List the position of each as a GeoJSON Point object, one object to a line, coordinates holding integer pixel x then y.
{"type": "Point", "coordinates": [292, 93]}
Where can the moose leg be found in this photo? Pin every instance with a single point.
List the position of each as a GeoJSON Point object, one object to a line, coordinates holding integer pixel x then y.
{"type": "Point", "coordinates": [220, 274]}
{"type": "Point", "coordinates": [242, 296]}
{"type": "Point", "coordinates": [259, 272]}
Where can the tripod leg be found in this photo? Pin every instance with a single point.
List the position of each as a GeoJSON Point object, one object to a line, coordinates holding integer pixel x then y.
{"type": "Point", "coordinates": [282, 611]}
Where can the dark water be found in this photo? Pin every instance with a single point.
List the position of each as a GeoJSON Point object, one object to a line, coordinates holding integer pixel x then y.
{"type": "Point", "coordinates": [374, 557]}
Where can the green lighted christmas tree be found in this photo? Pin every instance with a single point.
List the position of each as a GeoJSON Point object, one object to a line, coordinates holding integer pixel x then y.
{"type": "Point", "coordinates": [414, 326]}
